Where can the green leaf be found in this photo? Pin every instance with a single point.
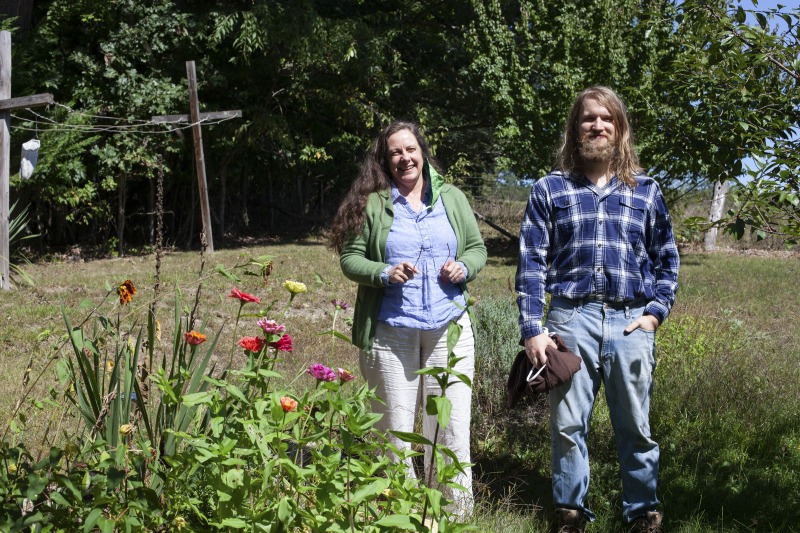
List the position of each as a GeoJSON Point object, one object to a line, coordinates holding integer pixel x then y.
{"type": "Point", "coordinates": [413, 438]}
{"type": "Point", "coordinates": [285, 511]}
{"type": "Point", "coordinates": [236, 523]}
{"type": "Point", "coordinates": [225, 272]}
{"type": "Point", "coordinates": [339, 335]}
{"type": "Point", "coordinates": [397, 521]}
{"type": "Point", "coordinates": [370, 490]}
{"type": "Point", "coordinates": [453, 334]}
{"type": "Point", "coordinates": [91, 519]}
{"type": "Point", "coordinates": [440, 406]}
{"type": "Point", "coordinates": [196, 398]}
{"type": "Point", "coordinates": [36, 485]}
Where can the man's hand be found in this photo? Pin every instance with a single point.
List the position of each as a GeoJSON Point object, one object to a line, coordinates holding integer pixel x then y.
{"type": "Point", "coordinates": [535, 349]}
{"type": "Point", "coordinates": [452, 272]}
{"type": "Point", "coordinates": [646, 322]}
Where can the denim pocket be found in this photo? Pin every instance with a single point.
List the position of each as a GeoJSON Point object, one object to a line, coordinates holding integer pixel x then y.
{"type": "Point", "coordinates": [559, 316]}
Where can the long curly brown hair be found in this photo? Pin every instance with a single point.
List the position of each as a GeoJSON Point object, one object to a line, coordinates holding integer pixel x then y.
{"type": "Point", "coordinates": [626, 162]}
{"type": "Point", "coordinates": [373, 176]}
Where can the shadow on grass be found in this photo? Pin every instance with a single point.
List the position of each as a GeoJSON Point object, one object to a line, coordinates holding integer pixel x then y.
{"type": "Point", "coordinates": [760, 494]}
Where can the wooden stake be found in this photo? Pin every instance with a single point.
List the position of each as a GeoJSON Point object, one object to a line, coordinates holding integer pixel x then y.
{"type": "Point", "coordinates": [7, 104]}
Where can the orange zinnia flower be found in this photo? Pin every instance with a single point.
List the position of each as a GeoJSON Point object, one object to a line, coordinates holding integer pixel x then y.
{"type": "Point", "coordinates": [126, 291]}
{"type": "Point", "coordinates": [288, 404]}
{"type": "Point", "coordinates": [252, 344]}
{"type": "Point", "coordinates": [194, 337]}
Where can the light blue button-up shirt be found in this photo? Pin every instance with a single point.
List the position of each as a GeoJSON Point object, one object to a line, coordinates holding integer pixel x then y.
{"type": "Point", "coordinates": [424, 238]}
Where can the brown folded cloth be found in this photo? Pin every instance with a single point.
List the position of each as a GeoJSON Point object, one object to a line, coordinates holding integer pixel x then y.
{"type": "Point", "coordinates": [561, 365]}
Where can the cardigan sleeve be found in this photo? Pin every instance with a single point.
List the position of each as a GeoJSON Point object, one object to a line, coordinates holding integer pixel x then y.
{"type": "Point", "coordinates": [474, 253]}
{"type": "Point", "coordinates": [360, 260]}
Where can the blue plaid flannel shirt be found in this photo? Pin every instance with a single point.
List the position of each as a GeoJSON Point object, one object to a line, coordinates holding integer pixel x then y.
{"type": "Point", "coordinates": [579, 241]}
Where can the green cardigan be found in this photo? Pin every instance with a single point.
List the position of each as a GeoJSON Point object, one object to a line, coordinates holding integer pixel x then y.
{"type": "Point", "coordinates": [364, 256]}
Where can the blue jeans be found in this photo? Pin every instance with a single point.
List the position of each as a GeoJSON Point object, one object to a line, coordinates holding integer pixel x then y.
{"type": "Point", "coordinates": [625, 364]}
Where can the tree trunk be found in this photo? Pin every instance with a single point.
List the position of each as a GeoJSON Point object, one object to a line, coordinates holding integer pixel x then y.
{"type": "Point", "coordinates": [715, 213]}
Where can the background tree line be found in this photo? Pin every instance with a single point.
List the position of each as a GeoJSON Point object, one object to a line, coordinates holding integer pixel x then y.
{"type": "Point", "coordinates": [708, 83]}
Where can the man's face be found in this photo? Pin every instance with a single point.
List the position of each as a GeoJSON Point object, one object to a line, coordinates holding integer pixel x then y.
{"type": "Point", "coordinates": [597, 134]}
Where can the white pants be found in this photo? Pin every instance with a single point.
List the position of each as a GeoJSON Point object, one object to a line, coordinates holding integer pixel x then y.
{"type": "Point", "coordinates": [397, 353]}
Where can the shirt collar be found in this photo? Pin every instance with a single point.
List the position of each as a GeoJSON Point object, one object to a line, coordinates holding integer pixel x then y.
{"type": "Point", "coordinates": [426, 198]}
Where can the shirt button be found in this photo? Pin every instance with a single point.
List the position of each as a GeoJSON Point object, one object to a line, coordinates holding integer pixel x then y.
{"type": "Point", "coordinates": [598, 269]}
{"type": "Point", "coordinates": [599, 245]}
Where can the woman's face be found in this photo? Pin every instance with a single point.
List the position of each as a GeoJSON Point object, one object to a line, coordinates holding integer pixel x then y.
{"type": "Point", "coordinates": [405, 159]}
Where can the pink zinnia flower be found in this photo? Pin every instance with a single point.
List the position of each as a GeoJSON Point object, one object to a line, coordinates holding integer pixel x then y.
{"type": "Point", "coordinates": [252, 344]}
{"type": "Point", "coordinates": [243, 296]}
{"type": "Point", "coordinates": [344, 375]}
{"type": "Point", "coordinates": [271, 327]}
{"type": "Point", "coordinates": [283, 344]}
{"type": "Point", "coordinates": [341, 304]}
{"type": "Point", "coordinates": [321, 372]}
{"type": "Point", "coordinates": [194, 337]}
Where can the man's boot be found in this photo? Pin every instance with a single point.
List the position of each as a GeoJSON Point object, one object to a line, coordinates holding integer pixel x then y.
{"type": "Point", "coordinates": [649, 523]}
{"type": "Point", "coordinates": [571, 521]}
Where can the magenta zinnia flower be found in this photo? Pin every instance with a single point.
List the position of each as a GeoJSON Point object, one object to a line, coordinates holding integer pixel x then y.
{"type": "Point", "coordinates": [341, 304]}
{"type": "Point", "coordinates": [271, 327]}
{"type": "Point", "coordinates": [321, 372]}
{"type": "Point", "coordinates": [283, 344]}
{"type": "Point", "coordinates": [243, 296]}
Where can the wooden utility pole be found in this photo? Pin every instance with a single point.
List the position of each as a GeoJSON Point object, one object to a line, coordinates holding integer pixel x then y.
{"type": "Point", "coordinates": [194, 118]}
{"type": "Point", "coordinates": [8, 104]}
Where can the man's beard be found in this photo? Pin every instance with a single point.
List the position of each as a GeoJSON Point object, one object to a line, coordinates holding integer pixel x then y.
{"type": "Point", "coordinates": [596, 152]}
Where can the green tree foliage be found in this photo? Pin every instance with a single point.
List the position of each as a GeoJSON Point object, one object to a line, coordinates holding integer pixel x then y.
{"type": "Point", "coordinates": [490, 82]}
{"type": "Point", "coordinates": [738, 72]}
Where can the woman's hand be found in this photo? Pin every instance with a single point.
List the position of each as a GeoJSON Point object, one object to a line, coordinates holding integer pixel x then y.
{"type": "Point", "coordinates": [452, 272]}
{"type": "Point", "coordinates": [402, 272]}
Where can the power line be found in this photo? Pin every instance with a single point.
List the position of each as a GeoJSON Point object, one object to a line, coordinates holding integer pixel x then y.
{"type": "Point", "coordinates": [118, 125]}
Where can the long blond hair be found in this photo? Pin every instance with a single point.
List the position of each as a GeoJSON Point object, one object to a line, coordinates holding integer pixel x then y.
{"type": "Point", "coordinates": [625, 162]}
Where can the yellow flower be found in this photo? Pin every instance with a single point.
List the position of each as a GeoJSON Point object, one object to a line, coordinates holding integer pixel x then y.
{"type": "Point", "coordinates": [12, 468]}
{"type": "Point", "coordinates": [294, 287]}
{"type": "Point", "coordinates": [109, 365]}
{"type": "Point", "coordinates": [126, 429]}
{"type": "Point", "coordinates": [179, 522]}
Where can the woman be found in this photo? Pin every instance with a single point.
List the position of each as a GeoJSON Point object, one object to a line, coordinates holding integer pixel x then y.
{"type": "Point", "coordinates": [411, 243]}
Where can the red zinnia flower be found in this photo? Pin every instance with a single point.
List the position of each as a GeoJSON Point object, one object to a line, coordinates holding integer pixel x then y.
{"type": "Point", "coordinates": [194, 337]}
{"type": "Point", "coordinates": [252, 344]}
{"type": "Point", "coordinates": [283, 344]}
{"type": "Point", "coordinates": [243, 296]}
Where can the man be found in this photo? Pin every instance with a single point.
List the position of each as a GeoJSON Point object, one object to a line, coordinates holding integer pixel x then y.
{"type": "Point", "coordinates": [596, 235]}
